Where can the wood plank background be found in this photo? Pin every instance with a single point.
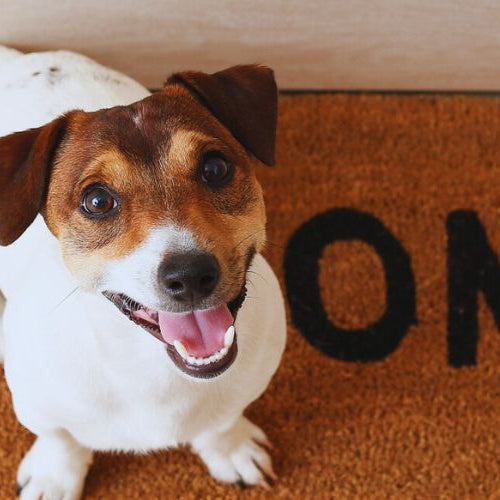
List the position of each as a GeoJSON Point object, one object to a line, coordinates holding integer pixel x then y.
{"type": "Point", "coordinates": [314, 44]}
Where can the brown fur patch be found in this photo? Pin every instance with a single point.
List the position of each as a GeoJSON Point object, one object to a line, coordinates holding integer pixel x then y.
{"type": "Point", "coordinates": [149, 154]}
{"type": "Point", "coordinates": [184, 146]}
{"type": "Point", "coordinates": [244, 99]}
{"type": "Point", "coordinates": [25, 162]}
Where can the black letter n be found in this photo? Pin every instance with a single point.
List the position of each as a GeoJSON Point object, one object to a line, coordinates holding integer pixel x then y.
{"type": "Point", "coordinates": [472, 267]}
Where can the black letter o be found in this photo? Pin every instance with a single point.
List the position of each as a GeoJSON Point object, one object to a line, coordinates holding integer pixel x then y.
{"type": "Point", "coordinates": [301, 275]}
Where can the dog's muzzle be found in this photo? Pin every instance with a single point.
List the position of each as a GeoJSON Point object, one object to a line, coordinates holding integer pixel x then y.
{"type": "Point", "coordinates": [201, 343]}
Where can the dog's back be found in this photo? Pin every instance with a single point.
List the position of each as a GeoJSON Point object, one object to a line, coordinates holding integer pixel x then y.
{"type": "Point", "coordinates": [37, 87]}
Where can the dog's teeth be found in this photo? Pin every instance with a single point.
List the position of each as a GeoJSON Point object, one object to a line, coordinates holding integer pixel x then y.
{"type": "Point", "coordinates": [229, 336]}
{"type": "Point", "coordinates": [203, 361]}
{"type": "Point", "coordinates": [179, 347]}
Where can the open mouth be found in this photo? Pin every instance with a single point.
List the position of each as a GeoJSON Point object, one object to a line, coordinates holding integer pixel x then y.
{"type": "Point", "coordinates": [201, 343]}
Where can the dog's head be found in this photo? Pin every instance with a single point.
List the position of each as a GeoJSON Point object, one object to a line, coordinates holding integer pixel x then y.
{"type": "Point", "coordinates": [156, 204]}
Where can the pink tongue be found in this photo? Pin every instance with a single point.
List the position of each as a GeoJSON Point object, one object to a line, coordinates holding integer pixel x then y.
{"type": "Point", "coordinates": [202, 332]}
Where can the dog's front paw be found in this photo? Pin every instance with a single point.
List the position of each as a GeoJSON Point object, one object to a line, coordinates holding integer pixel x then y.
{"type": "Point", "coordinates": [53, 469]}
{"type": "Point", "coordinates": [238, 455]}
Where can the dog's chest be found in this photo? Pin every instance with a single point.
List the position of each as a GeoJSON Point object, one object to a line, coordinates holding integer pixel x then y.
{"type": "Point", "coordinates": [72, 362]}
{"type": "Point", "coordinates": [89, 370]}
{"type": "Point", "coordinates": [153, 418]}
{"type": "Point", "coordinates": [132, 400]}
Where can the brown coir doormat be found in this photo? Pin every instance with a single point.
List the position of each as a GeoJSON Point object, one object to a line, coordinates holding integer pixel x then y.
{"type": "Point", "coordinates": [384, 228]}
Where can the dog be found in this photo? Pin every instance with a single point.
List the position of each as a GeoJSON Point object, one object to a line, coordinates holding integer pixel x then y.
{"type": "Point", "coordinates": [139, 312]}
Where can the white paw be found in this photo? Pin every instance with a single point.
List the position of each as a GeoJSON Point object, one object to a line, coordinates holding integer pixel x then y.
{"type": "Point", "coordinates": [238, 455]}
{"type": "Point", "coordinates": [54, 469]}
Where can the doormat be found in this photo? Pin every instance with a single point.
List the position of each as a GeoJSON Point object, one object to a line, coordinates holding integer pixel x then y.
{"type": "Point", "coordinates": [384, 229]}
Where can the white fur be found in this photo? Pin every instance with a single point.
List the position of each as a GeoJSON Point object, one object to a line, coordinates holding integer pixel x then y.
{"type": "Point", "coordinates": [82, 376]}
{"type": "Point", "coordinates": [137, 271]}
{"type": "Point", "coordinates": [32, 93]}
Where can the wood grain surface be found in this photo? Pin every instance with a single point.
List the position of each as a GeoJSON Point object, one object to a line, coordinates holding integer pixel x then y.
{"type": "Point", "coordinates": [319, 44]}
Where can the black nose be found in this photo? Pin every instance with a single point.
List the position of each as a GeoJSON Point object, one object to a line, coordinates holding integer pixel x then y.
{"type": "Point", "coordinates": [189, 276]}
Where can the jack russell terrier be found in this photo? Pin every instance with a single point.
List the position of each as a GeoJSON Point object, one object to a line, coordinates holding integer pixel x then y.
{"type": "Point", "coordinates": [138, 312]}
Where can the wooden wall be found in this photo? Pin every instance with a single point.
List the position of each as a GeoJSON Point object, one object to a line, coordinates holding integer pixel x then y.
{"type": "Point", "coordinates": [312, 44]}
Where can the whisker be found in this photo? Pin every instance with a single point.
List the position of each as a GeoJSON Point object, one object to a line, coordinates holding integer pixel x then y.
{"type": "Point", "coordinates": [244, 274]}
{"type": "Point", "coordinates": [65, 298]}
{"type": "Point", "coordinates": [259, 275]}
{"type": "Point", "coordinates": [247, 237]}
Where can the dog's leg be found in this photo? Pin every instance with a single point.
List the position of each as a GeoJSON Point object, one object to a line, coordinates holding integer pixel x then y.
{"type": "Point", "coordinates": [237, 455]}
{"type": "Point", "coordinates": [54, 468]}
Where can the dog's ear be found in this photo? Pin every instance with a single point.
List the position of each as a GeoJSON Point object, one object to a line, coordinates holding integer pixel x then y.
{"type": "Point", "coordinates": [244, 99]}
{"type": "Point", "coordinates": [25, 164]}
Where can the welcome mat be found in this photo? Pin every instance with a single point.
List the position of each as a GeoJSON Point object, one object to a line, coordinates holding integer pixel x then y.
{"type": "Point", "coordinates": [384, 228]}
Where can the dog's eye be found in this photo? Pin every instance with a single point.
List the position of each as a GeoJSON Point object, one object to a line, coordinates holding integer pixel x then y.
{"type": "Point", "coordinates": [216, 170]}
{"type": "Point", "coordinates": [97, 201]}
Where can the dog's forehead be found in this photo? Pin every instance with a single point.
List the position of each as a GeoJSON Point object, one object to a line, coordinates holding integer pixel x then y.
{"type": "Point", "coordinates": [144, 130]}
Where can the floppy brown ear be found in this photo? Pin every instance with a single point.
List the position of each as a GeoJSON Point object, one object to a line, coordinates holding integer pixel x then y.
{"type": "Point", "coordinates": [244, 99]}
{"type": "Point", "coordinates": [25, 164]}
